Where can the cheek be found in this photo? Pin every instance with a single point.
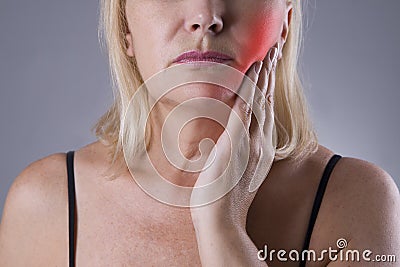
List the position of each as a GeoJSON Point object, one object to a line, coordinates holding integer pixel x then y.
{"type": "Point", "coordinates": [148, 34]}
{"type": "Point", "coordinates": [259, 33]}
{"type": "Point", "coordinates": [144, 53]}
{"type": "Point", "coordinates": [145, 49]}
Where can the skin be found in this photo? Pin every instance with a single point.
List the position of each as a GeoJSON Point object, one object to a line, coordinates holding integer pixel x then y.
{"type": "Point", "coordinates": [174, 35]}
{"type": "Point", "coordinates": [234, 35]}
{"type": "Point", "coordinates": [361, 202]}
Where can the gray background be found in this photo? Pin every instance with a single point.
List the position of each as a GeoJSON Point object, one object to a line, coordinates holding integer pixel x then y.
{"type": "Point", "coordinates": [54, 79]}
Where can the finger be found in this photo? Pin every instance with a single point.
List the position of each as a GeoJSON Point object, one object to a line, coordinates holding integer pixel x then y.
{"type": "Point", "coordinates": [258, 106]}
{"type": "Point", "coordinates": [273, 60]}
{"type": "Point", "coordinates": [240, 116]}
{"type": "Point", "coordinates": [270, 93]}
{"type": "Point", "coordinates": [267, 150]}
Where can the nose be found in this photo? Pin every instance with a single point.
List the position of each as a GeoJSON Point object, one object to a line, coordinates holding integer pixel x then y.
{"type": "Point", "coordinates": [204, 18]}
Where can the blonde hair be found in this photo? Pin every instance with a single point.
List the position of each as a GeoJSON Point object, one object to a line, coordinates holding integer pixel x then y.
{"type": "Point", "coordinates": [296, 137]}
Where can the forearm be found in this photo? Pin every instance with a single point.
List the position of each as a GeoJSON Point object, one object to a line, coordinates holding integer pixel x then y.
{"type": "Point", "coordinates": [226, 247]}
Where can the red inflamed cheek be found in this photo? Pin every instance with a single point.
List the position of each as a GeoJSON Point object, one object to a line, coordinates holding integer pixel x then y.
{"type": "Point", "coordinates": [259, 37]}
{"type": "Point", "coordinates": [269, 27]}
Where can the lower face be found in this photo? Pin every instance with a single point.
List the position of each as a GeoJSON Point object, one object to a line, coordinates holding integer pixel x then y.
{"type": "Point", "coordinates": [160, 31]}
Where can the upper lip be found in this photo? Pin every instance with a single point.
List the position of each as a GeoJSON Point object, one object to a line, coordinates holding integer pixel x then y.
{"type": "Point", "coordinates": [202, 56]}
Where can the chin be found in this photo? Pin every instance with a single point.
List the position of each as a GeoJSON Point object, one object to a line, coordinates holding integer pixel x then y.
{"type": "Point", "coordinates": [207, 91]}
{"type": "Point", "coordinates": [185, 103]}
{"type": "Point", "coordinates": [193, 91]}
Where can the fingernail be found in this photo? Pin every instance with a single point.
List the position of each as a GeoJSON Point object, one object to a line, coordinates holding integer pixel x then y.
{"type": "Point", "coordinates": [273, 54]}
{"type": "Point", "coordinates": [258, 67]}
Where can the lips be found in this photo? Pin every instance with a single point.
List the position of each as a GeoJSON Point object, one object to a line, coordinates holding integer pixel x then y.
{"type": "Point", "coordinates": [208, 56]}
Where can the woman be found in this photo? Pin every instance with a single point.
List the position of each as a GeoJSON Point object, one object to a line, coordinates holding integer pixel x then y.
{"type": "Point", "coordinates": [118, 223]}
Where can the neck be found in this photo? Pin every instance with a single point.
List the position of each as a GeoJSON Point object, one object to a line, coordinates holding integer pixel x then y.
{"type": "Point", "coordinates": [184, 138]}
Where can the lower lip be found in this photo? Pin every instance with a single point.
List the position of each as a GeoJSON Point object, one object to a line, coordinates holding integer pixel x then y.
{"type": "Point", "coordinates": [203, 62]}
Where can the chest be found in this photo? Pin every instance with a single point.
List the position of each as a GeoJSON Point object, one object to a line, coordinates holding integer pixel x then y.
{"type": "Point", "coordinates": [120, 242]}
{"type": "Point", "coordinates": [113, 231]}
{"type": "Point", "coordinates": [116, 239]}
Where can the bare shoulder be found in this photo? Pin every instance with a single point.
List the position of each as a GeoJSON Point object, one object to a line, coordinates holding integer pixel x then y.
{"type": "Point", "coordinates": [362, 205]}
{"type": "Point", "coordinates": [41, 182]}
{"type": "Point", "coordinates": [359, 182]}
{"type": "Point", "coordinates": [34, 211]}
{"type": "Point", "coordinates": [42, 186]}
{"type": "Point", "coordinates": [367, 176]}
{"type": "Point", "coordinates": [34, 226]}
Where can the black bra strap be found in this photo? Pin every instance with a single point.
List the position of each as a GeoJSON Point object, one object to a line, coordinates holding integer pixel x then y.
{"type": "Point", "coordinates": [71, 207]}
{"type": "Point", "coordinates": [318, 200]}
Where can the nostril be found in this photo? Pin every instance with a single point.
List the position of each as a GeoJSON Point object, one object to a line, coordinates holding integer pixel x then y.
{"type": "Point", "coordinates": [195, 26]}
{"type": "Point", "coordinates": [213, 27]}
{"type": "Point", "coordinates": [205, 24]}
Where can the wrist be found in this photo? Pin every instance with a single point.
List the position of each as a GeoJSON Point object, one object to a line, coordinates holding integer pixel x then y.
{"type": "Point", "coordinates": [215, 225]}
{"type": "Point", "coordinates": [216, 221]}
{"type": "Point", "coordinates": [217, 234]}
